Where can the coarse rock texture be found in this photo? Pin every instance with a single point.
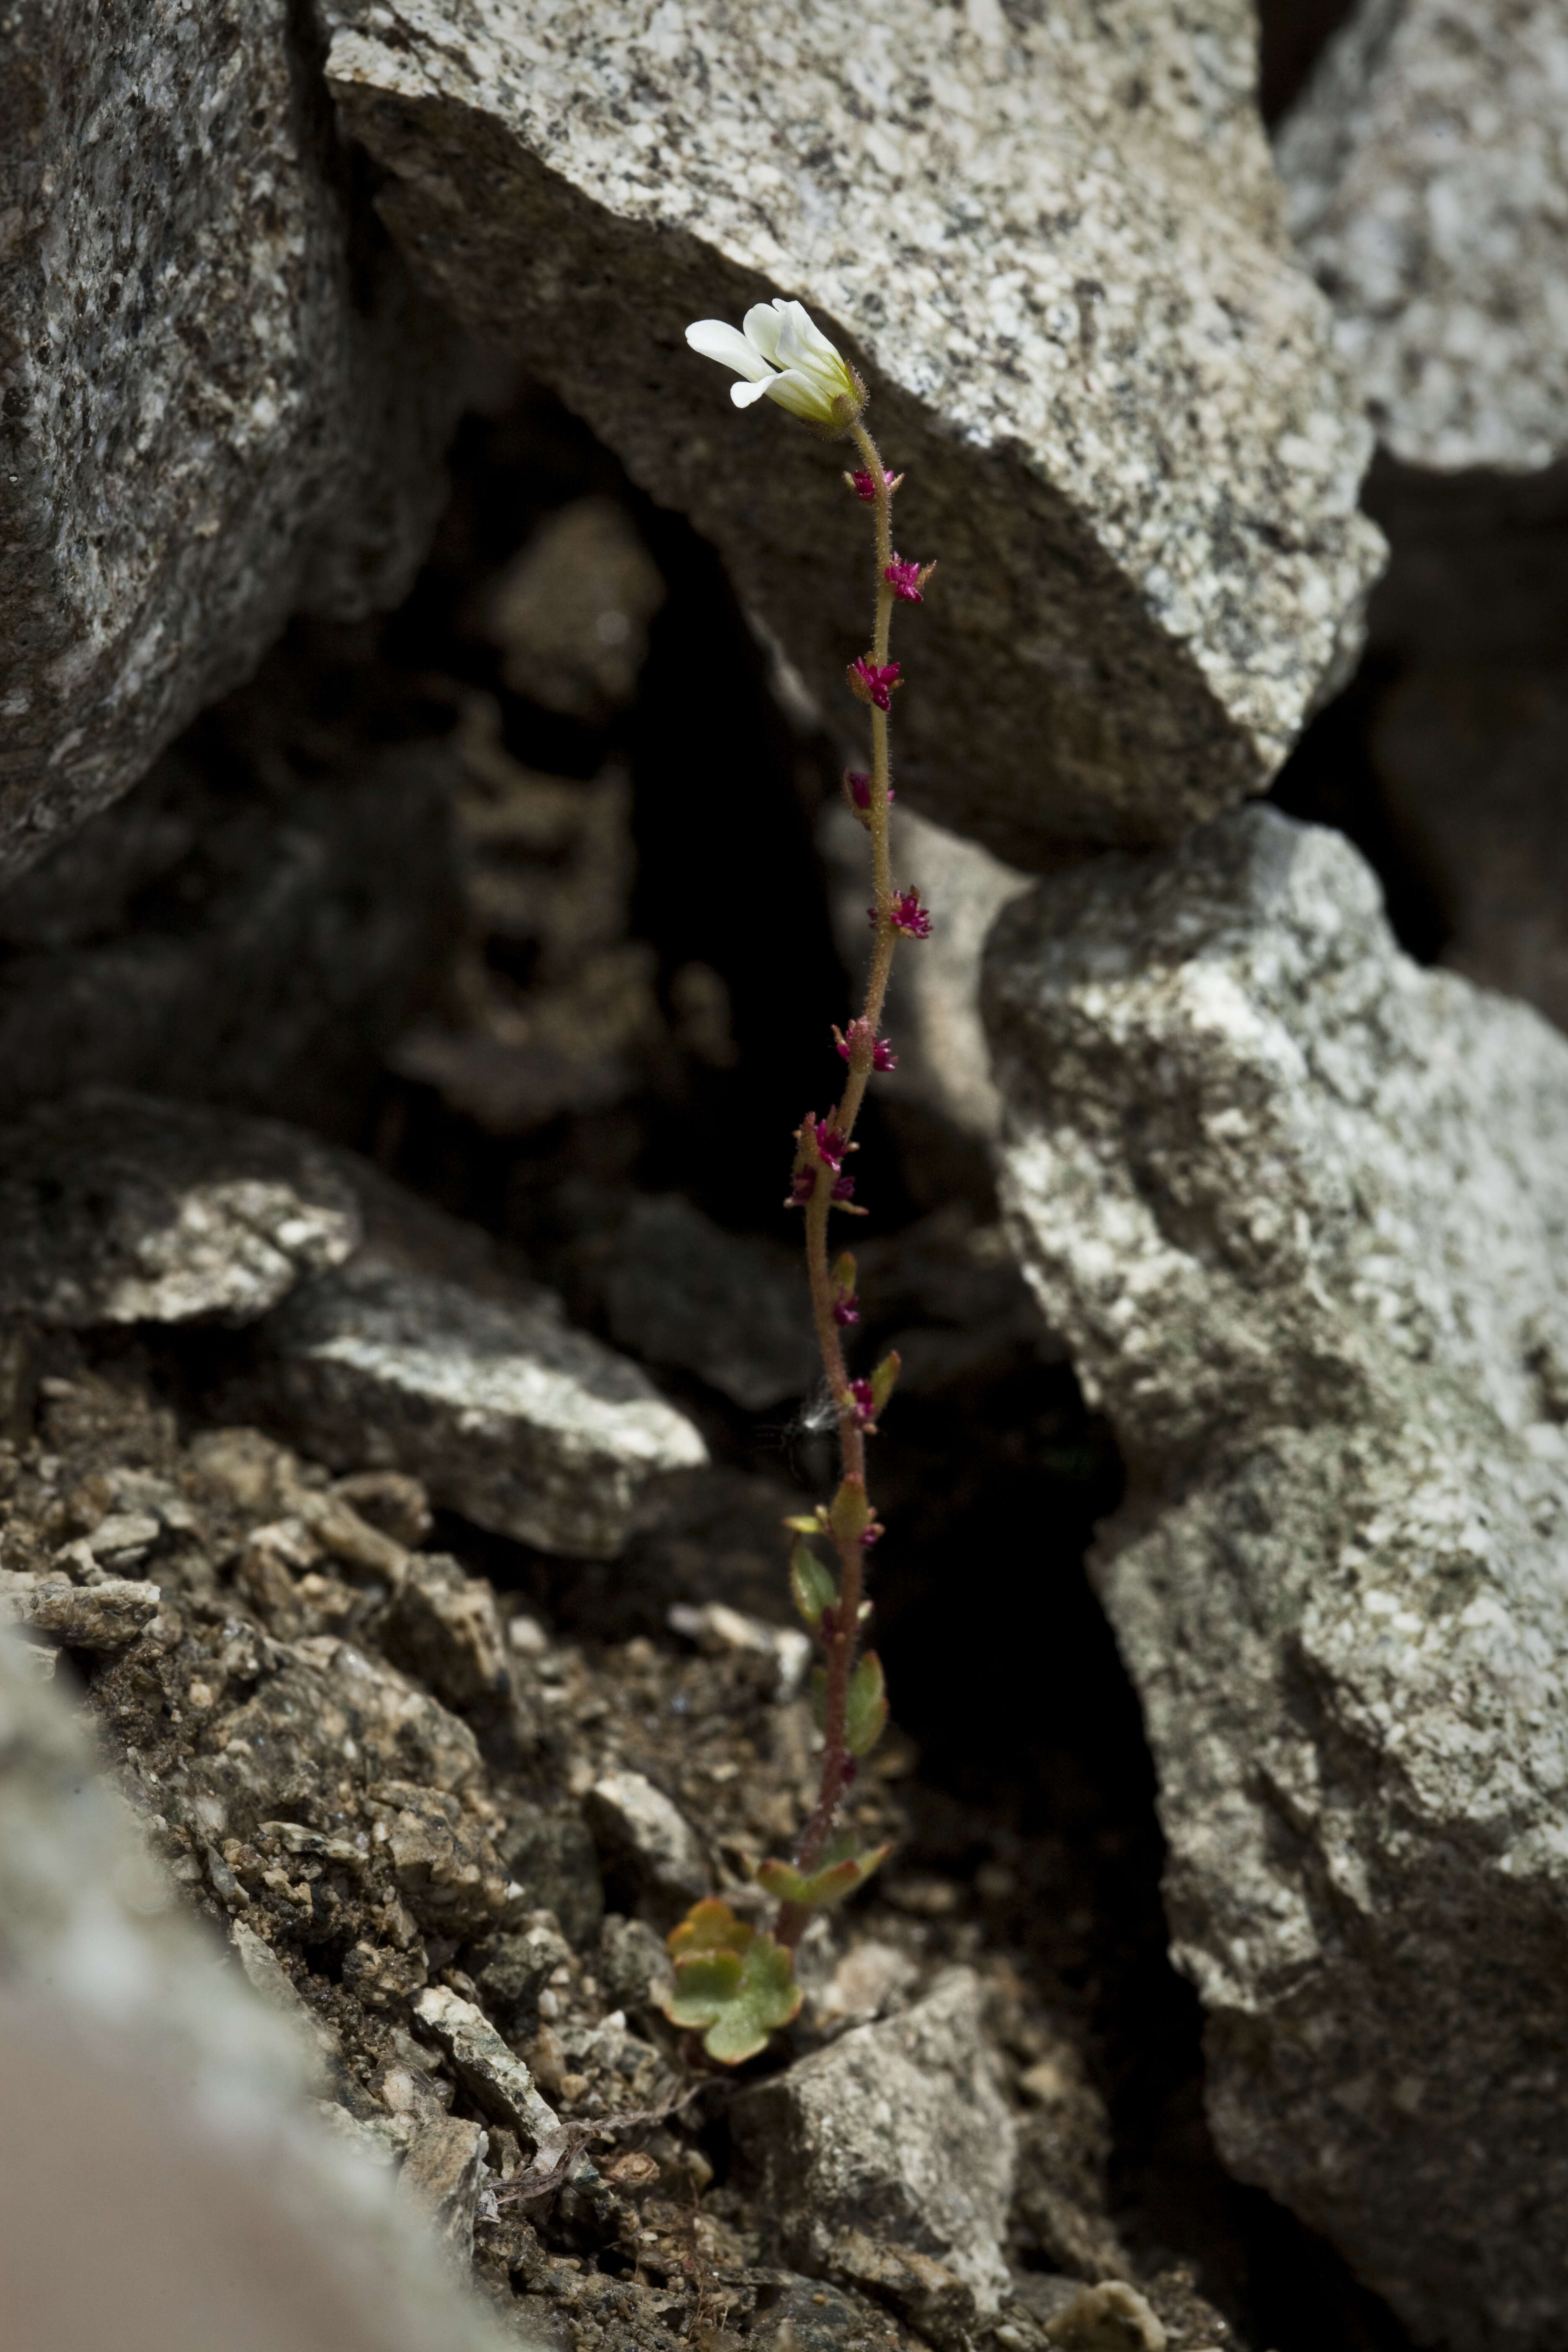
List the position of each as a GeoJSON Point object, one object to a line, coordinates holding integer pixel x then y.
{"type": "Point", "coordinates": [509, 1415]}
{"type": "Point", "coordinates": [900, 2128]}
{"type": "Point", "coordinates": [1299, 1209]}
{"type": "Point", "coordinates": [1427, 169]}
{"type": "Point", "coordinates": [117, 1208]}
{"type": "Point", "coordinates": [409, 1348]}
{"type": "Point", "coordinates": [1054, 244]}
{"type": "Point", "coordinates": [119, 2033]}
{"type": "Point", "coordinates": [223, 398]}
{"type": "Point", "coordinates": [390, 1825]}
{"type": "Point", "coordinates": [253, 923]}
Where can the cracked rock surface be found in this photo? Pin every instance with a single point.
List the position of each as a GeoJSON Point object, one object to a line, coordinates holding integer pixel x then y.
{"type": "Point", "coordinates": [1427, 170]}
{"type": "Point", "coordinates": [1300, 1208]}
{"type": "Point", "coordinates": [1127, 438]}
{"type": "Point", "coordinates": [214, 415]}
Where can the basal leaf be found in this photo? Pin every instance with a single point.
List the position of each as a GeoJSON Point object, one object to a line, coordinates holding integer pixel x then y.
{"type": "Point", "coordinates": [705, 1987]}
{"type": "Point", "coordinates": [708, 1926]}
{"type": "Point", "coordinates": [736, 2000]}
{"type": "Point", "coordinates": [767, 1998]}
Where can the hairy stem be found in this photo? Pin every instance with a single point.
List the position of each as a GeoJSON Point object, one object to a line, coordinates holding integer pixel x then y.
{"type": "Point", "coordinates": [844, 1639]}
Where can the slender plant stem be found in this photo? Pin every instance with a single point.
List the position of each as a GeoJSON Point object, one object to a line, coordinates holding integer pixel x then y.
{"type": "Point", "coordinates": [844, 1640]}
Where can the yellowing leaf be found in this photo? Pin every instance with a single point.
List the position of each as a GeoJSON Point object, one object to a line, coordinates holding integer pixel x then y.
{"type": "Point", "coordinates": [830, 1882]}
{"type": "Point", "coordinates": [708, 1926]}
{"type": "Point", "coordinates": [738, 1996]}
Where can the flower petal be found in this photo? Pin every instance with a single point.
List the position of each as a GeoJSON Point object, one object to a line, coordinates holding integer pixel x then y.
{"type": "Point", "coordinates": [802, 344]}
{"type": "Point", "coordinates": [760, 326]}
{"type": "Point", "coordinates": [742, 394]}
{"type": "Point", "coordinates": [717, 341]}
{"type": "Point", "coordinates": [802, 394]}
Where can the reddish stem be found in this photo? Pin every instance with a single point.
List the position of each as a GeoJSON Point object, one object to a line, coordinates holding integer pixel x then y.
{"type": "Point", "coordinates": [844, 1641]}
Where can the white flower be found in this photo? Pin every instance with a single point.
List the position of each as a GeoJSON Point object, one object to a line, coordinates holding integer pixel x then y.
{"type": "Point", "coordinates": [782, 351]}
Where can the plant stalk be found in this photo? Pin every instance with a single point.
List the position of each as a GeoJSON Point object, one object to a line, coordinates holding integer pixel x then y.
{"type": "Point", "coordinates": [844, 1641]}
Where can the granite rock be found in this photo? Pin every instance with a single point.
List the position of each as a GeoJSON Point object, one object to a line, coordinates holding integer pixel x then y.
{"type": "Point", "coordinates": [897, 2131]}
{"type": "Point", "coordinates": [224, 400]}
{"type": "Point", "coordinates": [102, 1616]}
{"type": "Point", "coordinates": [1054, 244]}
{"type": "Point", "coordinates": [498, 2081]}
{"type": "Point", "coordinates": [503, 1411]}
{"type": "Point", "coordinates": [1427, 169]}
{"type": "Point", "coordinates": [646, 1838]}
{"type": "Point", "coordinates": [1298, 1208]}
{"type": "Point", "coordinates": [116, 1208]}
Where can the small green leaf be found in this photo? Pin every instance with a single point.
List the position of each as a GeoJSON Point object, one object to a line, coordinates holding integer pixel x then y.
{"type": "Point", "coordinates": [809, 1523]}
{"type": "Point", "coordinates": [705, 1986]}
{"type": "Point", "coordinates": [834, 1878]}
{"type": "Point", "coordinates": [844, 1272]}
{"type": "Point", "coordinates": [866, 1708]}
{"type": "Point", "coordinates": [768, 1998]}
{"type": "Point", "coordinates": [884, 1377]}
{"type": "Point", "coordinates": [812, 1584]}
{"type": "Point", "coordinates": [739, 1998]}
{"type": "Point", "coordinates": [850, 1514]}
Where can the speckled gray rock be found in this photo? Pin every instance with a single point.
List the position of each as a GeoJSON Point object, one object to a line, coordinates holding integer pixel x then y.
{"type": "Point", "coordinates": [102, 1616]}
{"type": "Point", "coordinates": [492, 2074]}
{"type": "Point", "coordinates": [1427, 169]}
{"type": "Point", "coordinates": [640, 1832]}
{"type": "Point", "coordinates": [503, 1409]}
{"type": "Point", "coordinates": [214, 413]}
{"type": "Point", "coordinates": [121, 2030]}
{"type": "Point", "coordinates": [1054, 243]}
{"type": "Point", "coordinates": [1301, 1209]}
{"type": "Point", "coordinates": [896, 2130]}
{"type": "Point", "coordinates": [117, 1208]}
